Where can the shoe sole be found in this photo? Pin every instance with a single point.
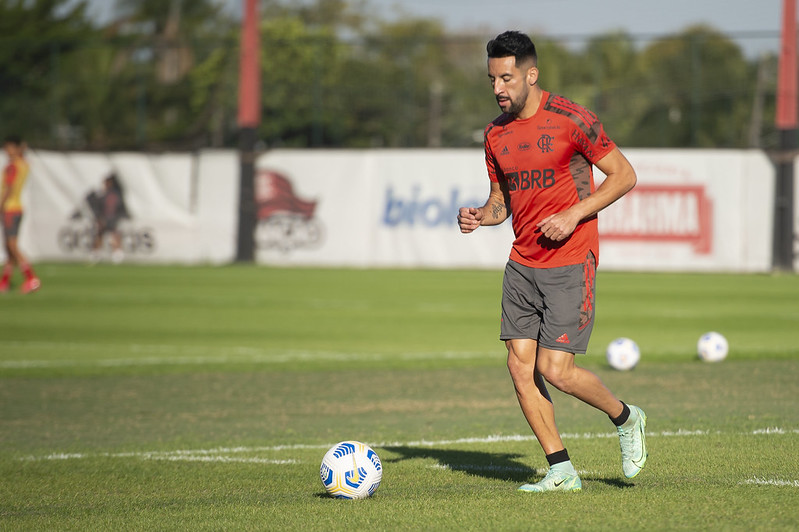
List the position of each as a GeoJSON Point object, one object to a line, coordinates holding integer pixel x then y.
{"type": "Point", "coordinates": [566, 490]}
{"type": "Point", "coordinates": [572, 490]}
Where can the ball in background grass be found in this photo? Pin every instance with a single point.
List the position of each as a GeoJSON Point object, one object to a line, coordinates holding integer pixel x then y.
{"type": "Point", "coordinates": [623, 354]}
{"type": "Point", "coordinates": [351, 470]}
{"type": "Point", "coordinates": [712, 347]}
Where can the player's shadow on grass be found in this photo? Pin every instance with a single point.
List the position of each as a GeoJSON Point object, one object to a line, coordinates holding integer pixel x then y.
{"type": "Point", "coordinates": [500, 466]}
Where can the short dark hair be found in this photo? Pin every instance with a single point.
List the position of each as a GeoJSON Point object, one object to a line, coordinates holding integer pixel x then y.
{"type": "Point", "coordinates": [512, 43]}
{"type": "Point", "coordinates": [13, 139]}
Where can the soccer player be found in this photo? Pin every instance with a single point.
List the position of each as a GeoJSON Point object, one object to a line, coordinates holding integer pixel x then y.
{"type": "Point", "coordinates": [109, 208]}
{"type": "Point", "coordinates": [14, 176]}
{"type": "Point", "coordinates": [539, 154]}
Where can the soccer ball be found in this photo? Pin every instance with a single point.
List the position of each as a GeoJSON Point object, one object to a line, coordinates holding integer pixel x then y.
{"type": "Point", "coordinates": [351, 470]}
{"type": "Point", "coordinates": [623, 354]}
{"type": "Point", "coordinates": [712, 347]}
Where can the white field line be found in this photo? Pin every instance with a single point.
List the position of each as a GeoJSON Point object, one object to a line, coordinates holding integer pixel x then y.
{"type": "Point", "coordinates": [772, 482]}
{"type": "Point", "coordinates": [504, 469]}
{"type": "Point", "coordinates": [171, 456]}
{"type": "Point", "coordinates": [160, 355]}
{"type": "Point", "coordinates": [228, 454]}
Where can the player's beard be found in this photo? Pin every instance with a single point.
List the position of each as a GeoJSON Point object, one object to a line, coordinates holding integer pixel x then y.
{"type": "Point", "coordinates": [517, 104]}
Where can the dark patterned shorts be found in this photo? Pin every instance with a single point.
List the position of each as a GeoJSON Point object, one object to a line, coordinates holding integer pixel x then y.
{"type": "Point", "coordinates": [554, 306]}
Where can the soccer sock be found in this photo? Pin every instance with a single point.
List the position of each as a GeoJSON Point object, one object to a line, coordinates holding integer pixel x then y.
{"type": "Point", "coordinates": [560, 461]}
{"type": "Point", "coordinates": [558, 457]}
{"type": "Point", "coordinates": [27, 271]}
{"type": "Point", "coordinates": [8, 269]}
{"type": "Point", "coordinates": [622, 419]}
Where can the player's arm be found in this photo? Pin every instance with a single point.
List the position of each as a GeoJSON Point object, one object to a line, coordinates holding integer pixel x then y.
{"type": "Point", "coordinates": [620, 180]}
{"type": "Point", "coordinates": [495, 211]}
{"type": "Point", "coordinates": [8, 180]}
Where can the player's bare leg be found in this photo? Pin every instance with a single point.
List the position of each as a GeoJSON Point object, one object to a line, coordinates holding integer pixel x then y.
{"type": "Point", "coordinates": [532, 394]}
{"type": "Point", "coordinates": [16, 258]}
{"type": "Point", "coordinates": [8, 267]}
{"type": "Point", "coordinates": [536, 404]}
{"type": "Point", "coordinates": [559, 369]}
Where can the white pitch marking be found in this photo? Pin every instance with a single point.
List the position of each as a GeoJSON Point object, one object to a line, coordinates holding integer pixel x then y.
{"type": "Point", "coordinates": [223, 459]}
{"type": "Point", "coordinates": [198, 355]}
{"type": "Point", "coordinates": [772, 482]}
{"type": "Point", "coordinates": [490, 467]}
{"type": "Point", "coordinates": [220, 453]}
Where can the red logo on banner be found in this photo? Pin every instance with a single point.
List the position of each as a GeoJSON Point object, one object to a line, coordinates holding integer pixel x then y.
{"type": "Point", "coordinates": [285, 221]}
{"type": "Point", "coordinates": [275, 195]}
{"type": "Point", "coordinates": [661, 213]}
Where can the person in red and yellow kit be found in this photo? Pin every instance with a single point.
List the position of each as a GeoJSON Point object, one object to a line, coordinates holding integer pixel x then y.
{"type": "Point", "coordinates": [14, 177]}
{"type": "Point", "coordinates": [539, 155]}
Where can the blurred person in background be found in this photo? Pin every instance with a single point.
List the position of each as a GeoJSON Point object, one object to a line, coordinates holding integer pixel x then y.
{"type": "Point", "coordinates": [109, 208]}
{"type": "Point", "coordinates": [539, 155]}
{"type": "Point", "coordinates": [14, 177]}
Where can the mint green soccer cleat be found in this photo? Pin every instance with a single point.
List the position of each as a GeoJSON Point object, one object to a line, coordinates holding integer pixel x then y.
{"type": "Point", "coordinates": [555, 480]}
{"type": "Point", "coordinates": [632, 441]}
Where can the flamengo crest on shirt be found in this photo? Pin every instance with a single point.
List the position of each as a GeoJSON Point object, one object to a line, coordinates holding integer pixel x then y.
{"type": "Point", "coordinates": [545, 143]}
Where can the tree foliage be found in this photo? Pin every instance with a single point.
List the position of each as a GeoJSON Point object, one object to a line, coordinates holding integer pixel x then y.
{"type": "Point", "coordinates": [163, 75]}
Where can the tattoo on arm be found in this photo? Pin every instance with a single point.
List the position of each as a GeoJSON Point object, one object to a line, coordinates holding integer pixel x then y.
{"type": "Point", "coordinates": [497, 210]}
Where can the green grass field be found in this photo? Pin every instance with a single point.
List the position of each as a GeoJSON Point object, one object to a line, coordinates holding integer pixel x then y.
{"type": "Point", "coordinates": [161, 398]}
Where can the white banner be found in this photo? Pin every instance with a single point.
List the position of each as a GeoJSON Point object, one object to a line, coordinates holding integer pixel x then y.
{"type": "Point", "coordinates": [693, 210]}
{"type": "Point", "coordinates": [391, 208]}
{"type": "Point", "coordinates": [180, 207]}
{"type": "Point", "coordinates": [698, 210]}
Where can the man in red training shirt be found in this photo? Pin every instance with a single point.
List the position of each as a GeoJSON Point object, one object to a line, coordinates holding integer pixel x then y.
{"type": "Point", "coordinates": [539, 154]}
{"type": "Point", "coordinates": [14, 177]}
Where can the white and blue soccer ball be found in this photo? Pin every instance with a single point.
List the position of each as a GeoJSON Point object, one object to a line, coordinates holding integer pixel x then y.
{"type": "Point", "coordinates": [623, 354]}
{"type": "Point", "coordinates": [351, 470]}
{"type": "Point", "coordinates": [712, 347]}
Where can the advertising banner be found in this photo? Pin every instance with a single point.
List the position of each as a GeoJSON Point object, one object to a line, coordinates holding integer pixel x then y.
{"type": "Point", "coordinates": [177, 208]}
{"type": "Point", "coordinates": [385, 208]}
{"type": "Point", "coordinates": [697, 210]}
{"type": "Point", "coordinates": [692, 210]}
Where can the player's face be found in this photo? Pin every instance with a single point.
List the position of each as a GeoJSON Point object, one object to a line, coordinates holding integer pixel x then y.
{"type": "Point", "coordinates": [11, 149]}
{"type": "Point", "coordinates": [511, 84]}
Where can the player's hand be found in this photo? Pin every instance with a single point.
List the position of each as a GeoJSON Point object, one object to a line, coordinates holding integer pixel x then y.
{"type": "Point", "coordinates": [557, 227]}
{"type": "Point", "coordinates": [469, 219]}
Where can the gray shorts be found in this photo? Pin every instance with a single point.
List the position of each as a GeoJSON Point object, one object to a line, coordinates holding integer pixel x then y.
{"type": "Point", "coordinates": [11, 223]}
{"type": "Point", "coordinates": [554, 306]}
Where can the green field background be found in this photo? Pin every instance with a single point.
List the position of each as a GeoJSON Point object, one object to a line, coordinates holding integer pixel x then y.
{"type": "Point", "coordinates": [175, 398]}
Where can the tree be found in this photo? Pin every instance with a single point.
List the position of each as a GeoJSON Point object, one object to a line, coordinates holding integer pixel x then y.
{"type": "Point", "coordinates": [336, 74]}
{"type": "Point", "coordinates": [167, 40]}
{"type": "Point", "coordinates": [36, 37]}
{"type": "Point", "coordinates": [696, 90]}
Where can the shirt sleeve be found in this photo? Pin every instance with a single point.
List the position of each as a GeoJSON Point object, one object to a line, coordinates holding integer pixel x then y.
{"type": "Point", "coordinates": [491, 165]}
{"type": "Point", "coordinates": [10, 174]}
{"type": "Point", "coordinates": [592, 141]}
{"type": "Point", "coordinates": [491, 161]}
